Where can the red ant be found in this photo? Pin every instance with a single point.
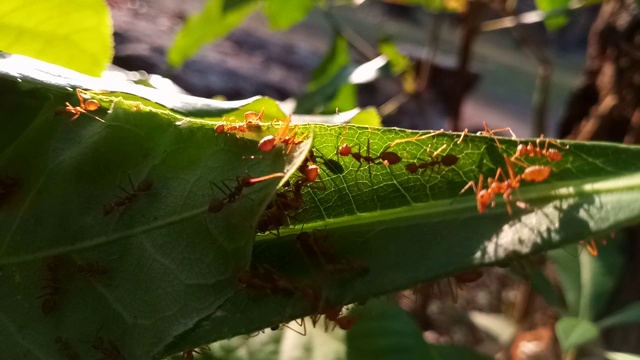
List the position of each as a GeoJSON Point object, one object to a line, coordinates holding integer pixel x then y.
{"type": "Point", "coordinates": [265, 279]}
{"type": "Point", "coordinates": [300, 322]}
{"type": "Point", "coordinates": [308, 168]}
{"type": "Point", "coordinates": [332, 313]}
{"type": "Point", "coordinates": [387, 157]}
{"type": "Point", "coordinates": [109, 350]}
{"type": "Point", "coordinates": [416, 138]}
{"type": "Point", "coordinates": [484, 197]}
{"type": "Point", "coordinates": [188, 355]}
{"type": "Point", "coordinates": [92, 269]}
{"type": "Point", "coordinates": [528, 150]}
{"type": "Point", "coordinates": [318, 251]}
{"type": "Point", "coordinates": [50, 298]}
{"type": "Point", "coordinates": [84, 108]}
{"type": "Point", "coordinates": [286, 137]}
{"type": "Point", "coordinates": [252, 122]}
{"type": "Point", "coordinates": [7, 185]}
{"type": "Point", "coordinates": [121, 201]}
{"type": "Point", "coordinates": [489, 132]}
{"type": "Point", "coordinates": [65, 346]}
{"type": "Point", "coordinates": [446, 160]}
{"type": "Point", "coordinates": [243, 182]}
{"type": "Point", "coordinates": [468, 277]}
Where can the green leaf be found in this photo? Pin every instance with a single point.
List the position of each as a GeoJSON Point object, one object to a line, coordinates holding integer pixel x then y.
{"type": "Point", "coordinates": [542, 285]}
{"type": "Point", "coordinates": [336, 59]}
{"type": "Point", "coordinates": [283, 14]}
{"type": "Point", "coordinates": [600, 276]}
{"type": "Point", "coordinates": [76, 34]}
{"type": "Point", "coordinates": [556, 21]}
{"type": "Point", "coordinates": [173, 267]}
{"type": "Point", "coordinates": [385, 331]}
{"type": "Point", "coordinates": [573, 332]}
{"type": "Point", "coordinates": [329, 88]}
{"type": "Point", "coordinates": [83, 184]}
{"type": "Point", "coordinates": [399, 63]}
{"type": "Point", "coordinates": [218, 18]}
{"type": "Point", "coordinates": [568, 270]}
{"type": "Point", "coordinates": [627, 315]}
{"type": "Point", "coordinates": [621, 356]}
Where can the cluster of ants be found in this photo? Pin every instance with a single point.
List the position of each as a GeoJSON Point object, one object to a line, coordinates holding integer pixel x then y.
{"type": "Point", "coordinates": [289, 200]}
{"type": "Point", "coordinates": [54, 273]}
{"type": "Point", "coordinates": [325, 260]}
{"type": "Point", "coordinates": [501, 184]}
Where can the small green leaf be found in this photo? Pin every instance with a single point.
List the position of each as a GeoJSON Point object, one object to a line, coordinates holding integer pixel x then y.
{"type": "Point", "coordinates": [217, 19]}
{"type": "Point", "coordinates": [335, 60]}
{"type": "Point", "coordinates": [76, 34]}
{"type": "Point", "coordinates": [573, 332]}
{"type": "Point", "coordinates": [627, 315]}
{"type": "Point", "coordinates": [282, 14]}
{"type": "Point", "coordinates": [399, 63]}
{"type": "Point", "coordinates": [599, 277]}
{"type": "Point", "coordinates": [329, 88]}
{"type": "Point", "coordinates": [553, 22]}
{"type": "Point", "coordinates": [542, 285]}
{"type": "Point", "coordinates": [568, 269]}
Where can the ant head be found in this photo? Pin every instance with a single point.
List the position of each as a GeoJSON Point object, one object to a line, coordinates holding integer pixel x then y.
{"type": "Point", "coordinates": [344, 150]}
{"type": "Point", "coordinates": [412, 168]}
{"type": "Point", "coordinates": [484, 198]}
{"type": "Point", "coordinates": [311, 173]}
{"type": "Point", "coordinates": [220, 128]}
{"type": "Point", "coordinates": [267, 144]}
{"type": "Point", "coordinates": [144, 185]}
{"type": "Point", "coordinates": [91, 105]}
{"type": "Point", "coordinates": [554, 155]}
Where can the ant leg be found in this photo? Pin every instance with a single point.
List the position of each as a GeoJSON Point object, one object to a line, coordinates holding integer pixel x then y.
{"type": "Point", "coordinates": [439, 150]}
{"type": "Point", "coordinates": [396, 142]}
{"type": "Point", "coordinates": [464, 133]}
{"type": "Point", "coordinates": [507, 200]}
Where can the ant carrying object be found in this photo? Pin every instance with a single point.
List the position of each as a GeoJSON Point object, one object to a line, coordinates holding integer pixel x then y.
{"type": "Point", "coordinates": [231, 195]}
{"type": "Point", "coordinates": [84, 108]}
{"type": "Point", "coordinates": [121, 201]}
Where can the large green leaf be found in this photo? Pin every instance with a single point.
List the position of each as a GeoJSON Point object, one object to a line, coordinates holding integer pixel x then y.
{"type": "Point", "coordinates": [218, 18]}
{"type": "Point", "coordinates": [172, 267]}
{"type": "Point", "coordinates": [76, 34]}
